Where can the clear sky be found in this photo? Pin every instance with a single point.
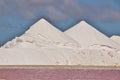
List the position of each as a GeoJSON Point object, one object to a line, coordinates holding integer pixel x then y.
{"type": "Point", "coordinates": [16, 16]}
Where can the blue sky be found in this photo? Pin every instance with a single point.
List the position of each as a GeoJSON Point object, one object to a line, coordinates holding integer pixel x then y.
{"type": "Point", "coordinates": [16, 16]}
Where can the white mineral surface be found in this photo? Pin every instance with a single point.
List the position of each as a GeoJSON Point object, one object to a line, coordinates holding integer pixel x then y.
{"type": "Point", "coordinates": [43, 44]}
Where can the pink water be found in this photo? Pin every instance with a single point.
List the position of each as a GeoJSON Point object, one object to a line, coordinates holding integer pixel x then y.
{"type": "Point", "coordinates": [59, 74]}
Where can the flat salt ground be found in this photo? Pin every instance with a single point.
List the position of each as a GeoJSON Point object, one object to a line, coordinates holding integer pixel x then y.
{"type": "Point", "coordinates": [87, 36]}
{"type": "Point", "coordinates": [59, 56]}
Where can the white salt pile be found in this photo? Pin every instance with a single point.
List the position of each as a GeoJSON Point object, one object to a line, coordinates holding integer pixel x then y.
{"type": "Point", "coordinates": [42, 34]}
{"type": "Point", "coordinates": [59, 56]}
{"type": "Point", "coordinates": [88, 36]}
{"type": "Point", "coordinates": [43, 44]}
{"type": "Point", "coordinates": [116, 39]}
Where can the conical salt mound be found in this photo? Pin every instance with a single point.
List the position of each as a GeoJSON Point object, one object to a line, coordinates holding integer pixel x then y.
{"type": "Point", "coordinates": [88, 36]}
{"type": "Point", "coordinates": [42, 33]}
{"type": "Point", "coordinates": [46, 31]}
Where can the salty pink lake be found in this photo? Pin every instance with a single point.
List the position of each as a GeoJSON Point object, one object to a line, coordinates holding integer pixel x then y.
{"type": "Point", "coordinates": [59, 74]}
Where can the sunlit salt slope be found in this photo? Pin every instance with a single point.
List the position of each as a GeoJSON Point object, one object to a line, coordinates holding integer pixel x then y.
{"type": "Point", "coordinates": [59, 56]}
{"type": "Point", "coordinates": [116, 39]}
{"type": "Point", "coordinates": [43, 44]}
{"type": "Point", "coordinates": [42, 34]}
{"type": "Point", "coordinates": [88, 36]}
